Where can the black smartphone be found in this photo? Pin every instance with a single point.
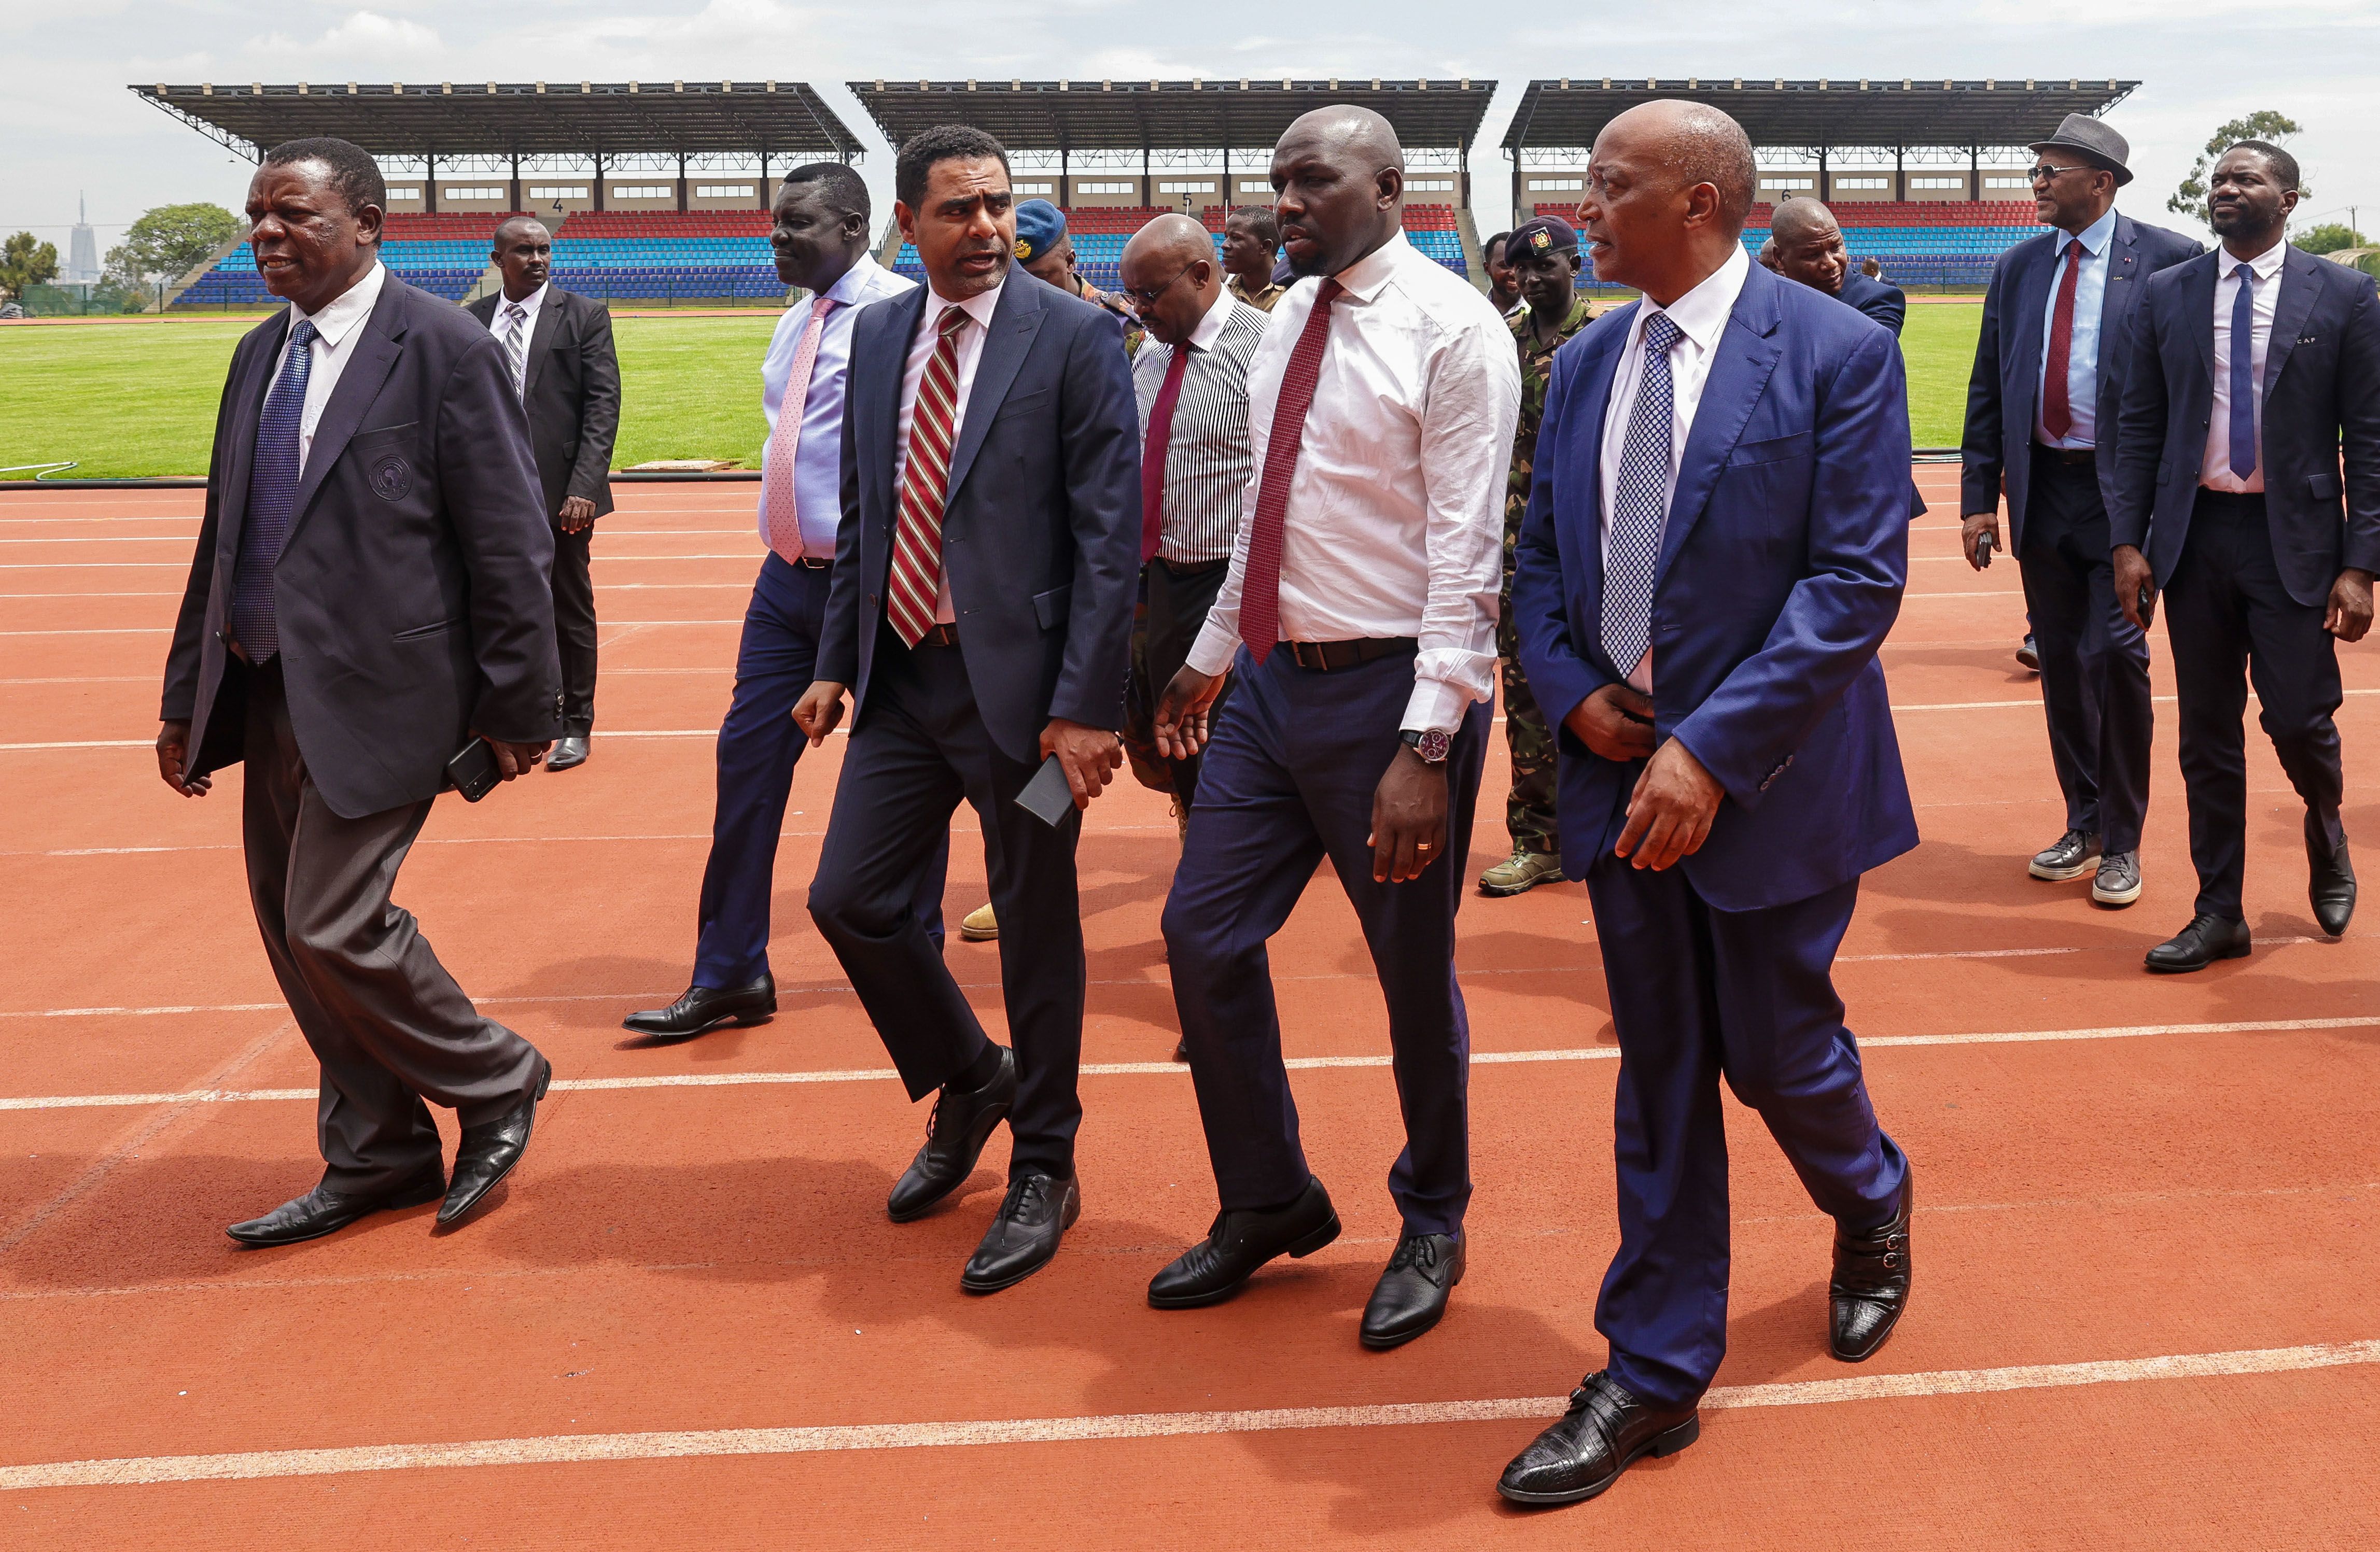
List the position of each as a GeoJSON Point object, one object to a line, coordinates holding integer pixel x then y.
{"type": "Point", "coordinates": [474, 771]}
{"type": "Point", "coordinates": [2148, 606]}
{"type": "Point", "coordinates": [1985, 545]}
{"type": "Point", "coordinates": [1048, 797]}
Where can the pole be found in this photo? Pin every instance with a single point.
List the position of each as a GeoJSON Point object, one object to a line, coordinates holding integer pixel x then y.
{"type": "Point", "coordinates": [430, 182]}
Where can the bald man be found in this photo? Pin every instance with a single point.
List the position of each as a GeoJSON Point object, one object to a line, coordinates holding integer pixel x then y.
{"type": "Point", "coordinates": [1358, 624]}
{"type": "Point", "coordinates": [1715, 544]}
{"type": "Point", "coordinates": [1810, 250]}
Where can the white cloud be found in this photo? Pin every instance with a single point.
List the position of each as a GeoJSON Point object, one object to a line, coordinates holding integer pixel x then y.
{"type": "Point", "coordinates": [364, 39]}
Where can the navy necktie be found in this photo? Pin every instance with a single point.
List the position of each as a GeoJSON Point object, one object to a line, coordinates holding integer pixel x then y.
{"type": "Point", "coordinates": [272, 502]}
{"type": "Point", "coordinates": [2243, 373]}
{"type": "Point", "coordinates": [1640, 502]}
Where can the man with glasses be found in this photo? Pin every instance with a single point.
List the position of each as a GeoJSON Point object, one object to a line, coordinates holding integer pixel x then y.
{"type": "Point", "coordinates": [2041, 428]}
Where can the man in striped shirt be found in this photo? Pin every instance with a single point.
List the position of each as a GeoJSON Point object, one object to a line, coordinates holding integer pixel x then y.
{"type": "Point", "coordinates": [1192, 380]}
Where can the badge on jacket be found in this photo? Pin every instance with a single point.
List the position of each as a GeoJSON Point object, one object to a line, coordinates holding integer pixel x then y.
{"type": "Point", "coordinates": [392, 478]}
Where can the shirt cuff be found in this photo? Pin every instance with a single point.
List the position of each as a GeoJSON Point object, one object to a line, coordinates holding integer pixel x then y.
{"type": "Point", "coordinates": [1212, 652]}
{"type": "Point", "coordinates": [1436, 707]}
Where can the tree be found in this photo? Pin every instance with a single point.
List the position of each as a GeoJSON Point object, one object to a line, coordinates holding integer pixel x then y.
{"type": "Point", "coordinates": [2276, 128]}
{"type": "Point", "coordinates": [167, 242]}
{"type": "Point", "coordinates": [2331, 239]}
{"type": "Point", "coordinates": [25, 262]}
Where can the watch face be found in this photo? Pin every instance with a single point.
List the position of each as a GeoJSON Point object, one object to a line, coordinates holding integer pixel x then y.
{"type": "Point", "coordinates": [1432, 747]}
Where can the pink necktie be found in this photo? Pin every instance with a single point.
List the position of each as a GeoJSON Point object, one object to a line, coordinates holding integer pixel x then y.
{"type": "Point", "coordinates": [785, 440]}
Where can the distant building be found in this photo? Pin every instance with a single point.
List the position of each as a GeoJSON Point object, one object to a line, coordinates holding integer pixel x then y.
{"type": "Point", "coordinates": [82, 249]}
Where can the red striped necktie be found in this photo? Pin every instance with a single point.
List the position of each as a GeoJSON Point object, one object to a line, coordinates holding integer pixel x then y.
{"type": "Point", "coordinates": [917, 578]}
{"type": "Point", "coordinates": [1260, 583]}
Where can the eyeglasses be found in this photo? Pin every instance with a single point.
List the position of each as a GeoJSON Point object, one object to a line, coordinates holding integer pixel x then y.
{"type": "Point", "coordinates": [1148, 298]}
{"type": "Point", "coordinates": [2043, 172]}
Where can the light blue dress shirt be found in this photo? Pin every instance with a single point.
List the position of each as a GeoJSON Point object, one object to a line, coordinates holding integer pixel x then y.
{"type": "Point", "coordinates": [2083, 358]}
{"type": "Point", "coordinates": [817, 462]}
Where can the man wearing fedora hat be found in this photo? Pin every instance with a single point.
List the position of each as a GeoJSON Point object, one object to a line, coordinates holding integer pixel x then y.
{"type": "Point", "coordinates": [2040, 430]}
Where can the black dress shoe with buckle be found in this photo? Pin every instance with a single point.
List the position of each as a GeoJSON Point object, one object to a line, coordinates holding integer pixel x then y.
{"type": "Point", "coordinates": [1410, 1298]}
{"type": "Point", "coordinates": [1024, 1235]}
{"type": "Point", "coordinates": [1605, 1430]}
{"type": "Point", "coordinates": [962, 1122]}
{"type": "Point", "coordinates": [2204, 940]}
{"type": "Point", "coordinates": [704, 1009]}
{"type": "Point", "coordinates": [2330, 880]}
{"type": "Point", "coordinates": [486, 1153]}
{"type": "Point", "coordinates": [324, 1211]}
{"type": "Point", "coordinates": [1239, 1242]}
{"type": "Point", "coordinates": [1870, 1287]}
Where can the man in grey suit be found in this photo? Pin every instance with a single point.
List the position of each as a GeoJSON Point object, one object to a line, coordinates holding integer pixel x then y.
{"type": "Point", "coordinates": [367, 593]}
{"type": "Point", "coordinates": [980, 616]}
{"type": "Point", "coordinates": [2050, 373]}
{"type": "Point", "coordinates": [558, 351]}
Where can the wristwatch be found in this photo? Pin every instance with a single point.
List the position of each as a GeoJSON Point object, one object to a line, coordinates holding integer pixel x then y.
{"type": "Point", "coordinates": [1431, 746]}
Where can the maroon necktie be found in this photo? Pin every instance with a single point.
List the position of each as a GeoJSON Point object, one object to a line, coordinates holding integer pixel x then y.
{"type": "Point", "coordinates": [1152, 455]}
{"type": "Point", "coordinates": [1260, 583]}
{"type": "Point", "coordinates": [2057, 415]}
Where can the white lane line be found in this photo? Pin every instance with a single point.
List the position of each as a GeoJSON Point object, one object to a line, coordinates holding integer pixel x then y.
{"type": "Point", "coordinates": [686, 1443]}
{"type": "Point", "coordinates": [1144, 1069]}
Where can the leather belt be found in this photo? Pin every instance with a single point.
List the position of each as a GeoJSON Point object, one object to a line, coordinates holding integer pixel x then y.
{"type": "Point", "coordinates": [809, 562]}
{"type": "Point", "coordinates": [1324, 656]}
{"type": "Point", "coordinates": [2069, 455]}
{"type": "Point", "coordinates": [1190, 569]}
{"type": "Point", "coordinates": [939, 636]}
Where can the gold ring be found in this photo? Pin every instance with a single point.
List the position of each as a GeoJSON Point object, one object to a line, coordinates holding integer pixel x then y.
{"type": "Point", "coordinates": [1421, 845]}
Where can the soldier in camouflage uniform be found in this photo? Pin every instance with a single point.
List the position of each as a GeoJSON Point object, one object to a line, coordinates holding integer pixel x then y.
{"type": "Point", "coordinates": [1047, 253]}
{"type": "Point", "coordinates": [1544, 252]}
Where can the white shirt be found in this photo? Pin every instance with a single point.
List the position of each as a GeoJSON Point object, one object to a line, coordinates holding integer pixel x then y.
{"type": "Point", "coordinates": [1701, 316]}
{"type": "Point", "coordinates": [818, 459]}
{"type": "Point", "coordinates": [921, 352]}
{"type": "Point", "coordinates": [501, 326]}
{"type": "Point", "coordinates": [2266, 274]}
{"type": "Point", "coordinates": [335, 328]}
{"type": "Point", "coordinates": [1395, 522]}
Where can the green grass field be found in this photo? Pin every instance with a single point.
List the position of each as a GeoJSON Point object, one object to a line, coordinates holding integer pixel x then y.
{"type": "Point", "coordinates": [138, 398]}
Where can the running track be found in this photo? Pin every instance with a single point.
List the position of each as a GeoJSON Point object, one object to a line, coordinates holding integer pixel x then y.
{"type": "Point", "coordinates": [2147, 1251]}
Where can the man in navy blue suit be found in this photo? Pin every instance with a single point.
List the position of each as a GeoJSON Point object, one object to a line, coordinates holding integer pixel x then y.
{"type": "Point", "coordinates": [2247, 489]}
{"type": "Point", "coordinates": [2041, 428]}
{"type": "Point", "coordinates": [980, 616]}
{"type": "Point", "coordinates": [1716, 545]}
{"type": "Point", "coordinates": [1810, 250]}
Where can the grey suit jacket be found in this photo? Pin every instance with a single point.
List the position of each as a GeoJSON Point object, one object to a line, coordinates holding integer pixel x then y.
{"type": "Point", "coordinates": [412, 595]}
{"type": "Point", "coordinates": [572, 393]}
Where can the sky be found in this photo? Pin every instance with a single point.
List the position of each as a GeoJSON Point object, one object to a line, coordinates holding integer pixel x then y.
{"type": "Point", "coordinates": [72, 128]}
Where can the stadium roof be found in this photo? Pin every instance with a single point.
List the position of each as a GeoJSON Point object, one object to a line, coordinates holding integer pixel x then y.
{"type": "Point", "coordinates": [474, 118]}
{"type": "Point", "coordinates": [1823, 112]}
{"type": "Point", "coordinates": [1177, 115]}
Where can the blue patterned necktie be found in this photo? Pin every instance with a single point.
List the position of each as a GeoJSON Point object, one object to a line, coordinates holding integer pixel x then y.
{"type": "Point", "coordinates": [272, 502]}
{"type": "Point", "coordinates": [2243, 373]}
{"type": "Point", "coordinates": [1640, 505]}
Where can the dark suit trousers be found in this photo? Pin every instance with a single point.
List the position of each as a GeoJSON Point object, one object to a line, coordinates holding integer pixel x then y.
{"type": "Point", "coordinates": [387, 1022]}
{"type": "Point", "coordinates": [1698, 995]}
{"type": "Point", "coordinates": [2094, 663]}
{"type": "Point", "coordinates": [2226, 611]}
{"type": "Point", "coordinates": [758, 747]}
{"type": "Point", "coordinates": [1179, 598]}
{"type": "Point", "coordinates": [1287, 781]}
{"type": "Point", "coordinates": [920, 749]}
{"type": "Point", "coordinates": [574, 629]}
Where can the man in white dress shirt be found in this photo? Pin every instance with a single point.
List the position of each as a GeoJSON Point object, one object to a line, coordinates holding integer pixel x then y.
{"type": "Point", "coordinates": [1359, 615]}
{"type": "Point", "coordinates": [821, 238]}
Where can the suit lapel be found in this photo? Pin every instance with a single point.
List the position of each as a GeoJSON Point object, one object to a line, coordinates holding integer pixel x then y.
{"type": "Point", "coordinates": [377, 346]}
{"type": "Point", "coordinates": [255, 370]}
{"type": "Point", "coordinates": [2033, 282]}
{"type": "Point", "coordinates": [1596, 375]}
{"type": "Point", "coordinates": [878, 399]}
{"type": "Point", "coordinates": [2122, 269]}
{"type": "Point", "coordinates": [1746, 355]}
{"type": "Point", "coordinates": [1013, 323]}
{"type": "Point", "coordinates": [2291, 310]}
{"type": "Point", "coordinates": [2200, 292]}
{"type": "Point", "coordinates": [541, 339]}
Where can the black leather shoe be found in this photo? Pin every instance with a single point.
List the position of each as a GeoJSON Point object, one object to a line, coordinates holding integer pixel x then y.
{"type": "Point", "coordinates": [567, 752]}
{"type": "Point", "coordinates": [955, 1133]}
{"type": "Point", "coordinates": [1604, 1433]}
{"type": "Point", "coordinates": [2330, 880]}
{"type": "Point", "coordinates": [1410, 1298]}
{"type": "Point", "coordinates": [324, 1211]}
{"type": "Point", "coordinates": [1024, 1235]}
{"type": "Point", "coordinates": [1239, 1242]}
{"type": "Point", "coordinates": [2204, 940]}
{"type": "Point", "coordinates": [704, 1009]}
{"type": "Point", "coordinates": [1871, 1284]}
{"type": "Point", "coordinates": [486, 1153]}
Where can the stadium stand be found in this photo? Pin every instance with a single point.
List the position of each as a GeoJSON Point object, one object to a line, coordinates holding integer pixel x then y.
{"type": "Point", "coordinates": [1100, 232]}
{"type": "Point", "coordinates": [1936, 242]}
{"type": "Point", "coordinates": [667, 256]}
{"type": "Point", "coordinates": [443, 254]}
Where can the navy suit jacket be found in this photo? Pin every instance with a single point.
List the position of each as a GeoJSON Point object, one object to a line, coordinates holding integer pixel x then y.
{"type": "Point", "coordinates": [1041, 522]}
{"type": "Point", "coordinates": [2321, 452]}
{"type": "Point", "coordinates": [1884, 303]}
{"type": "Point", "coordinates": [411, 596]}
{"type": "Point", "coordinates": [1781, 570]}
{"type": "Point", "coordinates": [2003, 392]}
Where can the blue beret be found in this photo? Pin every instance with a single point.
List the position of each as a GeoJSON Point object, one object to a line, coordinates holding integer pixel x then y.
{"type": "Point", "coordinates": [1039, 224]}
{"type": "Point", "coordinates": [1544, 233]}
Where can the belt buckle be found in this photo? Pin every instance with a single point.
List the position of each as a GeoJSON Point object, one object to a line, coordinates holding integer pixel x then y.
{"type": "Point", "coordinates": [1321, 661]}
